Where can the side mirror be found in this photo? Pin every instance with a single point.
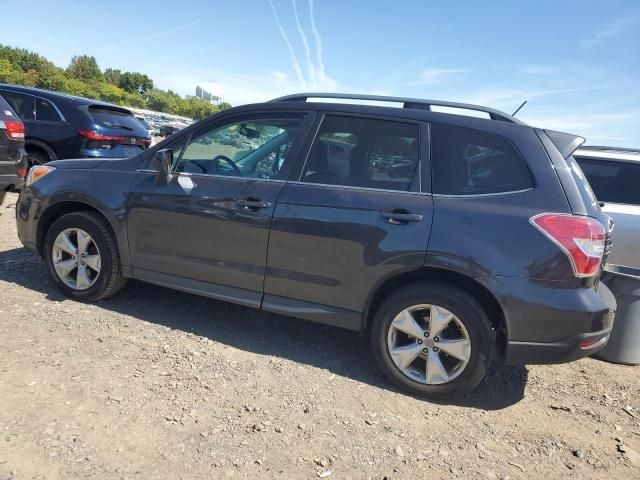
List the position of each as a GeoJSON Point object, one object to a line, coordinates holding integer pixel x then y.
{"type": "Point", "coordinates": [162, 160]}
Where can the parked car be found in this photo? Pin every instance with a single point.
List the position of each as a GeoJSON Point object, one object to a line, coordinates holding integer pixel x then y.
{"type": "Point", "coordinates": [167, 129]}
{"type": "Point", "coordinates": [60, 126]}
{"type": "Point", "coordinates": [614, 175]}
{"type": "Point", "coordinates": [490, 247]}
{"type": "Point", "coordinates": [13, 158]}
{"type": "Point", "coordinates": [151, 129]}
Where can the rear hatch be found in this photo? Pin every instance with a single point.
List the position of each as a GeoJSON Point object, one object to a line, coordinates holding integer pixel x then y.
{"type": "Point", "coordinates": [115, 132]}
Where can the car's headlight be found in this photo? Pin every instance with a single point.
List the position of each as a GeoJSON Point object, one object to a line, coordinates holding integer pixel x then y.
{"type": "Point", "coordinates": [37, 172]}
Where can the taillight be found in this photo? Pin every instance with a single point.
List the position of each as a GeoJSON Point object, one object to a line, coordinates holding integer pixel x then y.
{"type": "Point", "coordinates": [93, 135]}
{"type": "Point", "coordinates": [15, 129]}
{"type": "Point", "coordinates": [581, 238]}
{"type": "Point", "coordinates": [22, 172]}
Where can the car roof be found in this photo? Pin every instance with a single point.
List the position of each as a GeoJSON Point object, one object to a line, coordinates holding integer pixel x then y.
{"type": "Point", "coordinates": [49, 94]}
{"type": "Point", "coordinates": [609, 153]}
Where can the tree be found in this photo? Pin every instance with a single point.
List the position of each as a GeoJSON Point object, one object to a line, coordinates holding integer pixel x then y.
{"type": "Point", "coordinates": [135, 82]}
{"type": "Point", "coordinates": [224, 105]}
{"type": "Point", "coordinates": [85, 69]}
{"type": "Point", "coordinates": [112, 76]}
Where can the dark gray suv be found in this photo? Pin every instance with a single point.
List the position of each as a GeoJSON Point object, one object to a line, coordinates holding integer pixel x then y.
{"type": "Point", "coordinates": [450, 240]}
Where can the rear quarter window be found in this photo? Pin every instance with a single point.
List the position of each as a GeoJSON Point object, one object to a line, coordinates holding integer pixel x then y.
{"type": "Point", "coordinates": [611, 181]}
{"type": "Point", "coordinates": [472, 162]}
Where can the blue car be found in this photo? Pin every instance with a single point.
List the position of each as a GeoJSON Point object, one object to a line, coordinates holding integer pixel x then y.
{"type": "Point", "coordinates": [60, 126]}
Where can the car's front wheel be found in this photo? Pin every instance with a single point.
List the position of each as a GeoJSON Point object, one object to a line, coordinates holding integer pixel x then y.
{"type": "Point", "coordinates": [82, 257]}
{"type": "Point", "coordinates": [433, 340]}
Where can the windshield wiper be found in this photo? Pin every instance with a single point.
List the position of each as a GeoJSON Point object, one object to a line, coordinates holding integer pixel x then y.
{"type": "Point", "coordinates": [122, 126]}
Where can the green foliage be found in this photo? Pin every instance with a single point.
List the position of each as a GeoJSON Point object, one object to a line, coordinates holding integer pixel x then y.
{"type": "Point", "coordinates": [134, 82]}
{"type": "Point", "coordinates": [84, 68]}
{"type": "Point", "coordinates": [84, 78]}
{"type": "Point", "coordinates": [112, 76]}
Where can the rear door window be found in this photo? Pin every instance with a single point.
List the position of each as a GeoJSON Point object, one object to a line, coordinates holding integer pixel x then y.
{"type": "Point", "coordinates": [611, 181]}
{"type": "Point", "coordinates": [23, 105]}
{"type": "Point", "coordinates": [472, 162]}
{"type": "Point", "coordinates": [364, 152]}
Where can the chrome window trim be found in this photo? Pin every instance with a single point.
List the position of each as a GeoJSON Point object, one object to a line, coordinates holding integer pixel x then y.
{"type": "Point", "coordinates": [351, 187]}
{"type": "Point", "coordinates": [480, 195]}
{"type": "Point", "coordinates": [228, 177]}
{"type": "Point", "coordinates": [62, 118]}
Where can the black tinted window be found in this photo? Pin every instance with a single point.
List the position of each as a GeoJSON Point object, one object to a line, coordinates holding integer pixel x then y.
{"type": "Point", "coordinates": [116, 120]}
{"type": "Point", "coordinates": [471, 162]}
{"type": "Point", "coordinates": [23, 105]}
{"type": "Point", "coordinates": [363, 152]}
{"type": "Point", "coordinates": [46, 112]}
{"type": "Point", "coordinates": [616, 182]}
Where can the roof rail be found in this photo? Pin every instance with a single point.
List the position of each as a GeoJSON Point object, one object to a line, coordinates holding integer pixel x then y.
{"type": "Point", "coordinates": [415, 103]}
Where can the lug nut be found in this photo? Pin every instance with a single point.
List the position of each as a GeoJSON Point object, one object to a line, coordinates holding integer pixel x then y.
{"type": "Point", "coordinates": [436, 349]}
{"type": "Point", "coordinates": [419, 342]}
{"type": "Point", "coordinates": [426, 334]}
{"type": "Point", "coordinates": [425, 350]}
{"type": "Point", "coordinates": [437, 339]}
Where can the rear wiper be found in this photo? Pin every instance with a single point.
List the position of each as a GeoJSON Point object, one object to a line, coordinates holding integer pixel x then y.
{"type": "Point", "coordinates": [122, 126]}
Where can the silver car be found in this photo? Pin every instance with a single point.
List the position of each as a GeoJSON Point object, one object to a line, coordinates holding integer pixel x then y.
{"type": "Point", "coordinates": [614, 175]}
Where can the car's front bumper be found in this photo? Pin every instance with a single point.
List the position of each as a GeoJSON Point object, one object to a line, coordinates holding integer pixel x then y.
{"type": "Point", "coordinates": [546, 323]}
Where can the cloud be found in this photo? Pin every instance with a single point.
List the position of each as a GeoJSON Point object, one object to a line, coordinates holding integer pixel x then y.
{"type": "Point", "coordinates": [432, 76]}
{"type": "Point", "coordinates": [316, 77]}
{"type": "Point", "coordinates": [292, 53]}
{"type": "Point", "coordinates": [172, 31]}
{"type": "Point", "coordinates": [609, 29]}
{"type": "Point", "coordinates": [305, 44]}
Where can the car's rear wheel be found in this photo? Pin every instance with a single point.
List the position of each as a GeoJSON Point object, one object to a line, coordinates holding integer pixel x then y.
{"type": "Point", "coordinates": [433, 340]}
{"type": "Point", "coordinates": [36, 157]}
{"type": "Point", "coordinates": [82, 257]}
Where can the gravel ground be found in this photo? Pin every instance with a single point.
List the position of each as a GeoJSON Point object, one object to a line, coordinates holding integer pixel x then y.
{"type": "Point", "coordinates": [155, 383]}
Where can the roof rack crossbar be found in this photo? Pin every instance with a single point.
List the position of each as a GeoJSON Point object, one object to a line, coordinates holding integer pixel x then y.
{"type": "Point", "coordinates": [415, 103]}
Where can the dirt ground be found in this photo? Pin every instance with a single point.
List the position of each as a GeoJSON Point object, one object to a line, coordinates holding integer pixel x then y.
{"type": "Point", "coordinates": [155, 383]}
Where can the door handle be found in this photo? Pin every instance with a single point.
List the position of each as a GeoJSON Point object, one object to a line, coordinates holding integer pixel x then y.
{"type": "Point", "coordinates": [252, 204]}
{"type": "Point", "coordinates": [400, 216]}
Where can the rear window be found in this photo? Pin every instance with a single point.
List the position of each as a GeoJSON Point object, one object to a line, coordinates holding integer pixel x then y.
{"type": "Point", "coordinates": [115, 120]}
{"type": "Point", "coordinates": [472, 162]}
{"type": "Point", "coordinates": [611, 181]}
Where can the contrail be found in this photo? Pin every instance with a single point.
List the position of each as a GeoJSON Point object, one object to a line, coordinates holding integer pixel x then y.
{"type": "Point", "coordinates": [294, 60]}
{"type": "Point", "coordinates": [318, 39]}
{"type": "Point", "coordinates": [307, 51]}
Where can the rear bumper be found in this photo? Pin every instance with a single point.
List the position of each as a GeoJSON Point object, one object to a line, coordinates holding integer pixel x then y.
{"type": "Point", "coordinates": [10, 181]}
{"type": "Point", "coordinates": [568, 350]}
{"type": "Point", "coordinates": [546, 323]}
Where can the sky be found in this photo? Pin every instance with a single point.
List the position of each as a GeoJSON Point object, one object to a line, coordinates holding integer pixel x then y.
{"type": "Point", "coordinates": [577, 63]}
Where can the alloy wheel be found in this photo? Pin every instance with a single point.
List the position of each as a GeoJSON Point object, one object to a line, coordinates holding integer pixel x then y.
{"type": "Point", "coordinates": [429, 344]}
{"type": "Point", "coordinates": [76, 258]}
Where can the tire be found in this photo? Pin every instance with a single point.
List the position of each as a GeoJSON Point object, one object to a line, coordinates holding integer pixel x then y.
{"type": "Point", "coordinates": [469, 321]}
{"type": "Point", "coordinates": [109, 280]}
{"type": "Point", "coordinates": [36, 157]}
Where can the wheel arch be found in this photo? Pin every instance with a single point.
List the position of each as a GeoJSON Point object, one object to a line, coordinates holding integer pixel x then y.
{"type": "Point", "coordinates": [57, 210]}
{"type": "Point", "coordinates": [40, 145]}
{"type": "Point", "coordinates": [485, 298]}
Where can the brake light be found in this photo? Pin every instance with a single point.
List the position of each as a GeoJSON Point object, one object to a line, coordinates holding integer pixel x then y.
{"type": "Point", "coordinates": [22, 172]}
{"type": "Point", "coordinates": [15, 129]}
{"type": "Point", "coordinates": [93, 135]}
{"type": "Point", "coordinates": [581, 238]}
